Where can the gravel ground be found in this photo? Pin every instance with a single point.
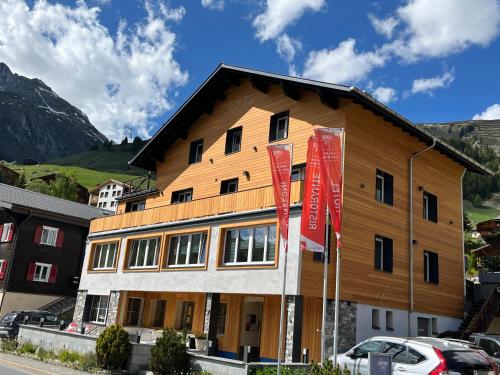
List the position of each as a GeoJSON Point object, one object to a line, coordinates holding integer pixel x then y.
{"type": "Point", "coordinates": [24, 365]}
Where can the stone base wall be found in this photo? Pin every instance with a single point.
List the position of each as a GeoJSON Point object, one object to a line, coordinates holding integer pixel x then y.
{"type": "Point", "coordinates": [113, 306]}
{"type": "Point", "coordinates": [347, 326]}
{"type": "Point", "coordinates": [79, 307]}
{"type": "Point", "coordinates": [290, 326]}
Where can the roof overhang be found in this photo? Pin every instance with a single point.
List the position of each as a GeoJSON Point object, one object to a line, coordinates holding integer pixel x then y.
{"type": "Point", "coordinates": [225, 76]}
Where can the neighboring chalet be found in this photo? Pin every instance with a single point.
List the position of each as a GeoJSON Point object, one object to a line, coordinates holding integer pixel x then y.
{"type": "Point", "coordinates": [82, 192]}
{"type": "Point", "coordinates": [105, 195]}
{"type": "Point", "coordinates": [489, 227]}
{"type": "Point", "coordinates": [8, 176]}
{"type": "Point", "coordinates": [42, 242]}
{"type": "Point", "coordinates": [204, 253]}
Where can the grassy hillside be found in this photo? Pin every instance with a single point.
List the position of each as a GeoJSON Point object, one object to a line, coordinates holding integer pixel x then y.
{"type": "Point", "coordinates": [479, 214]}
{"type": "Point", "coordinates": [86, 177]}
{"type": "Point", "coordinates": [102, 160]}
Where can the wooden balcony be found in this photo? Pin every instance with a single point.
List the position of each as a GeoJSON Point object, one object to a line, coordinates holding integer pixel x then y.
{"type": "Point", "coordinates": [246, 200]}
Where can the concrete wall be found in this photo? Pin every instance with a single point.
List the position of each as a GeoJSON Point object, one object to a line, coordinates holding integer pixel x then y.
{"type": "Point", "coordinates": [364, 328]}
{"type": "Point", "coordinates": [255, 281]}
{"type": "Point", "coordinates": [56, 341]}
{"type": "Point", "coordinates": [217, 365]}
{"type": "Point", "coordinates": [24, 301]}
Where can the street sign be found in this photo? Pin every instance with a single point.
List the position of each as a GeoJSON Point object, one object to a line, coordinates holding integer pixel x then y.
{"type": "Point", "coordinates": [379, 364]}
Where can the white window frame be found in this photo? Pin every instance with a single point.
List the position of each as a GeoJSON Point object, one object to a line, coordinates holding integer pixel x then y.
{"type": "Point", "coordinates": [183, 195]}
{"type": "Point", "coordinates": [7, 227]}
{"type": "Point", "coordinates": [279, 121]}
{"type": "Point", "coordinates": [380, 176]}
{"type": "Point", "coordinates": [49, 229]}
{"type": "Point", "coordinates": [157, 251]}
{"type": "Point", "coordinates": [99, 248]}
{"type": "Point", "coordinates": [250, 247]}
{"type": "Point", "coordinates": [98, 308]}
{"type": "Point", "coordinates": [42, 265]}
{"type": "Point", "coordinates": [188, 254]}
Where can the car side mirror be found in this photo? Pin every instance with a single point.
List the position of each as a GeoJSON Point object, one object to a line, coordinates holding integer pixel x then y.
{"type": "Point", "coordinates": [496, 354]}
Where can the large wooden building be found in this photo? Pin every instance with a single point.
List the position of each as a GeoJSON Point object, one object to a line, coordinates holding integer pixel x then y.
{"type": "Point", "coordinates": [202, 252]}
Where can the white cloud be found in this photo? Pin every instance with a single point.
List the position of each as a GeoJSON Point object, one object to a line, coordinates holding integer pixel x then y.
{"type": "Point", "coordinates": [278, 14]}
{"type": "Point", "coordinates": [384, 26]}
{"type": "Point", "coordinates": [120, 81]}
{"type": "Point", "coordinates": [213, 4]}
{"type": "Point", "coordinates": [490, 113]}
{"type": "Point", "coordinates": [385, 95]}
{"type": "Point", "coordinates": [342, 64]}
{"type": "Point", "coordinates": [427, 85]}
{"type": "Point", "coordinates": [287, 47]}
{"type": "Point", "coordinates": [437, 28]}
{"type": "Point", "coordinates": [172, 14]}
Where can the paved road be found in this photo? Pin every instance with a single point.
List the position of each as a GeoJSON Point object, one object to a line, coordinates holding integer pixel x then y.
{"type": "Point", "coordinates": [15, 365]}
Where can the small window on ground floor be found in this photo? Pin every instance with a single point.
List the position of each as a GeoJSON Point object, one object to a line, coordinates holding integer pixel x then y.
{"type": "Point", "coordinates": [375, 318]}
{"type": "Point", "coordinates": [184, 315]}
{"type": "Point", "coordinates": [389, 321]}
{"type": "Point", "coordinates": [158, 309]}
{"type": "Point", "coordinates": [221, 319]}
{"type": "Point", "coordinates": [99, 309]}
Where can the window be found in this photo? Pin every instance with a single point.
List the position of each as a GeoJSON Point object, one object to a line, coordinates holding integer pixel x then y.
{"type": "Point", "coordinates": [414, 357]}
{"type": "Point", "coordinates": [278, 129]}
{"type": "Point", "coordinates": [489, 346]}
{"type": "Point", "coordinates": [229, 186]}
{"type": "Point", "coordinates": [108, 187]}
{"type": "Point", "coordinates": [431, 267]}
{"type": "Point", "coordinates": [6, 232]}
{"type": "Point", "coordinates": [159, 307]}
{"type": "Point", "coordinates": [104, 204]}
{"type": "Point", "coordinates": [195, 151]}
{"type": "Point", "coordinates": [119, 192]}
{"type": "Point", "coordinates": [250, 245]}
{"type": "Point", "coordinates": [114, 186]}
{"type": "Point", "coordinates": [389, 321]}
{"type": "Point", "coordinates": [144, 253]}
{"type": "Point", "coordinates": [114, 194]}
{"type": "Point", "coordinates": [298, 172]}
{"type": "Point", "coordinates": [181, 196]}
{"type": "Point", "coordinates": [112, 204]}
{"type": "Point", "coordinates": [233, 140]}
{"type": "Point", "coordinates": [434, 323]}
{"type": "Point", "coordinates": [99, 309]}
{"type": "Point", "coordinates": [102, 194]}
{"type": "Point", "coordinates": [430, 207]}
{"type": "Point", "coordinates": [397, 351]}
{"type": "Point", "coordinates": [134, 311]}
{"type": "Point", "coordinates": [384, 187]}
{"type": "Point", "coordinates": [375, 318]}
{"type": "Point", "coordinates": [42, 272]}
{"type": "Point", "coordinates": [135, 206]}
{"type": "Point", "coordinates": [49, 236]}
{"type": "Point", "coordinates": [363, 349]}
{"type": "Point", "coordinates": [187, 249]}
{"type": "Point", "coordinates": [106, 194]}
{"type": "Point", "coordinates": [184, 316]}
{"type": "Point", "coordinates": [383, 254]}
{"type": "Point", "coordinates": [221, 319]}
{"type": "Point", "coordinates": [104, 256]}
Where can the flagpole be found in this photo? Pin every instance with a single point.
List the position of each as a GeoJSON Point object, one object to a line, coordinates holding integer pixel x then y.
{"type": "Point", "coordinates": [282, 309]}
{"type": "Point", "coordinates": [338, 267]}
{"type": "Point", "coordinates": [325, 288]}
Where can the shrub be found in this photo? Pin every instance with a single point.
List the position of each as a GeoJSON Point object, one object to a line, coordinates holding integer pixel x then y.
{"type": "Point", "coordinates": [9, 345]}
{"type": "Point", "coordinates": [169, 355]}
{"type": "Point", "coordinates": [284, 371]}
{"type": "Point", "coordinates": [328, 369]}
{"type": "Point", "coordinates": [44, 355]}
{"type": "Point", "coordinates": [26, 348]}
{"type": "Point", "coordinates": [88, 362]}
{"type": "Point", "coordinates": [67, 356]}
{"type": "Point", "coordinates": [112, 347]}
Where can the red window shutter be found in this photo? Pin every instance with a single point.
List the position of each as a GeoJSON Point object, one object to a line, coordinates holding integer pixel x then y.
{"type": "Point", "coordinates": [53, 275]}
{"type": "Point", "coordinates": [31, 272]}
{"type": "Point", "coordinates": [38, 235]}
{"type": "Point", "coordinates": [3, 269]}
{"type": "Point", "coordinates": [60, 238]}
{"type": "Point", "coordinates": [11, 232]}
{"type": "Point", "coordinates": [1, 230]}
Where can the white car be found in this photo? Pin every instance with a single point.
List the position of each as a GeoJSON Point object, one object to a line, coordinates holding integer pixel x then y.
{"type": "Point", "coordinates": [420, 355]}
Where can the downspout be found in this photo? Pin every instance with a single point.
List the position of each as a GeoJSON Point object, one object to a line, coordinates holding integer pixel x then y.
{"type": "Point", "coordinates": [14, 247]}
{"type": "Point", "coordinates": [410, 242]}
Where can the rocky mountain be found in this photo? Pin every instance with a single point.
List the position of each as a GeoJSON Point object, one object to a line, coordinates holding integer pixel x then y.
{"type": "Point", "coordinates": [481, 132]}
{"type": "Point", "coordinates": [35, 123]}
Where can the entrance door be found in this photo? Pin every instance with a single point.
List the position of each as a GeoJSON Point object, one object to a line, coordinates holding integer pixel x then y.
{"type": "Point", "coordinates": [250, 325]}
{"type": "Point", "coordinates": [423, 326]}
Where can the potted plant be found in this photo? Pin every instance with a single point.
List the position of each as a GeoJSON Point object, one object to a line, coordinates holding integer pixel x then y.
{"type": "Point", "coordinates": [200, 340]}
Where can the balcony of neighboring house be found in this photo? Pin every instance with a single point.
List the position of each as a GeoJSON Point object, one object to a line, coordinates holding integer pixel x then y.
{"type": "Point", "coordinates": [241, 201]}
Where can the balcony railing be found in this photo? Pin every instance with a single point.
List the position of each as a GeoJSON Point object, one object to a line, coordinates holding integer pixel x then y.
{"type": "Point", "coordinates": [245, 200]}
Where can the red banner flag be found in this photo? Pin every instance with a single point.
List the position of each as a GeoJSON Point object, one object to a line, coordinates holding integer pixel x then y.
{"type": "Point", "coordinates": [330, 142]}
{"type": "Point", "coordinates": [280, 158]}
{"type": "Point", "coordinates": [312, 227]}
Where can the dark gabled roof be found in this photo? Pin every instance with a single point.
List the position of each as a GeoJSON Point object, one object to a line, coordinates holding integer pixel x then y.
{"type": "Point", "coordinates": [214, 87]}
{"type": "Point", "coordinates": [13, 196]}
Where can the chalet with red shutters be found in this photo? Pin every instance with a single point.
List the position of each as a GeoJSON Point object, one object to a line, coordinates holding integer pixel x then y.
{"type": "Point", "coordinates": [42, 241]}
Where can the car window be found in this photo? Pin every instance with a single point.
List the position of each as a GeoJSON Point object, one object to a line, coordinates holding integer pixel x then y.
{"type": "Point", "coordinates": [9, 318]}
{"type": "Point", "coordinates": [367, 347]}
{"type": "Point", "coordinates": [465, 359]}
{"type": "Point", "coordinates": [489, 346]}
{"type": "Point", "coordinates": [50, 318]}
{"type": "Point", "coordinates": [397, 351]}
{"type": "Point", "coordinates": [414, 357]}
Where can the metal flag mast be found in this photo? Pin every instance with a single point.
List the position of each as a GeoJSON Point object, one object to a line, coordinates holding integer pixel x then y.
{"type": "Point", "coordinates": [326, 255]}
{"type": "Point", "coordinates": [282, 309]}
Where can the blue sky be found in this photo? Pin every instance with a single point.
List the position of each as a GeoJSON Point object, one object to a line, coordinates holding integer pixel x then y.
{"type": "Point", "coordinates": [129, 64]}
